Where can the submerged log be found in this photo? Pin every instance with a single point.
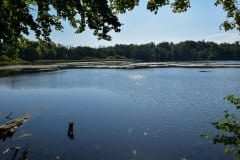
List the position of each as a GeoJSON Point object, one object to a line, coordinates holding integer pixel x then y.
{"type": "Point", "coordinates": [10, 127]}
{"type": "Point", "coordinates": [16, 149]}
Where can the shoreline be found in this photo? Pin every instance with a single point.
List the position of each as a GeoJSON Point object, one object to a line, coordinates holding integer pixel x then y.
{"type": "Point", "coordinates": [18, 69]}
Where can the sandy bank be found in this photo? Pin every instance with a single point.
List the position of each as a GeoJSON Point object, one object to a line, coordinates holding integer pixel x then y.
{"type": "Point", "coordinates": [14, 69]}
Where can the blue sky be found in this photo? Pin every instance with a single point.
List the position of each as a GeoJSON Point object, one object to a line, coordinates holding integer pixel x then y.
{"type": "Point", "coordinates": [140, 26]}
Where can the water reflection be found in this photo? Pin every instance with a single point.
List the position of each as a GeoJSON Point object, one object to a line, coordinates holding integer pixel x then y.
{"type": "Point", "coordinates": [4, 135]}
{"type": "Point", "coordinates": [119, 114]}
{"type": "Point", "coordinates": [135, 77]}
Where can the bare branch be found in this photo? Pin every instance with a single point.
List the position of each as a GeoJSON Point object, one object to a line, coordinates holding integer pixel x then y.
{"type": "Point", "coordinates": [8, 116]}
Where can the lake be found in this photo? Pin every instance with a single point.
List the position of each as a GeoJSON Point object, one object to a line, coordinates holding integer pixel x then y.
{"type": "Point", "coordinates": [141, 114]}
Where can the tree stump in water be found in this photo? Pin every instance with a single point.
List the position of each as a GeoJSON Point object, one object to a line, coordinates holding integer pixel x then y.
{"type": "Point", "coordinates": [10, 127]}
{"type": "Point", "coordinates": [70, 130]}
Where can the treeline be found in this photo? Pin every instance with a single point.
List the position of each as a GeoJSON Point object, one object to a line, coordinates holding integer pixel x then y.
{"type": "Point", "coordinates": [183, 51]}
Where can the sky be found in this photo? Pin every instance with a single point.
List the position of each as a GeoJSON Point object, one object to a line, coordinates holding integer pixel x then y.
{"type": "Point", "coordinates": [140, 26]}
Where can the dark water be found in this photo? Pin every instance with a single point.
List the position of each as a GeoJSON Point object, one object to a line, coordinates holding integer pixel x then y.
{"type": "Point", "coordinates": [146, 114]}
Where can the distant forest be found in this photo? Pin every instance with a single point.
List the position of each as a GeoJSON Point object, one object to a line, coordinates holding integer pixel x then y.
{"type": "Point", "coordinates": [165, 51]}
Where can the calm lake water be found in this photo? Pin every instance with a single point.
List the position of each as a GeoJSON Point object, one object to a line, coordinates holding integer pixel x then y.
{"type": "Point", "coordinates": [145, 114]}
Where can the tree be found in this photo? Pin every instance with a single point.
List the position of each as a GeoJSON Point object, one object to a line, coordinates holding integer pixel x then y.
{"type": "Point", "coordinates": [183, 51]}
{"type": "Point", "coordinates": [18, 17]}
{"type": "Point", "coordinates": [229, 128]}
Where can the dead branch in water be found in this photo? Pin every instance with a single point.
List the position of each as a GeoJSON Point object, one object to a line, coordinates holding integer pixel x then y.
{"type": "Point", "coordinates": [10, 127]}
{"type": "Point", "coordinates": [8, 116]}
{"type": "Point", "coordinates": [23, 156]}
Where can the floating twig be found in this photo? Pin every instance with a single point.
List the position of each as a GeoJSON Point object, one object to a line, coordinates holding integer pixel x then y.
{"type": "Point", "coordinates": [8, 116]}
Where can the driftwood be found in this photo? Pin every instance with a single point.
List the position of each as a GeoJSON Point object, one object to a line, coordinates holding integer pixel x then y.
{"type": "Point", "coordinates": [10, 127]}
{"type": "Point", "coordinates": [23, 156]}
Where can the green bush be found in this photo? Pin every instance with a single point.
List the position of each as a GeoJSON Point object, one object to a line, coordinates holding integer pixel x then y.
{"type": "Point", "coordinates": [228, 129]}
{"type": "Point", "coordinates": [4, 58]}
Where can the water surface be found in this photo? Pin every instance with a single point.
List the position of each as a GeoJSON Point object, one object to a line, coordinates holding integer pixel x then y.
{"type": "Point", "coordinates": [145, 114]}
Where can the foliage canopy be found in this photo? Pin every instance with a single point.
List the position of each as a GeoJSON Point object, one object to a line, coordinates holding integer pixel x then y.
{"type": "Point", "coordinates": [184, 51]}
{"type": "Point", "coordinates": [18, 17]}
